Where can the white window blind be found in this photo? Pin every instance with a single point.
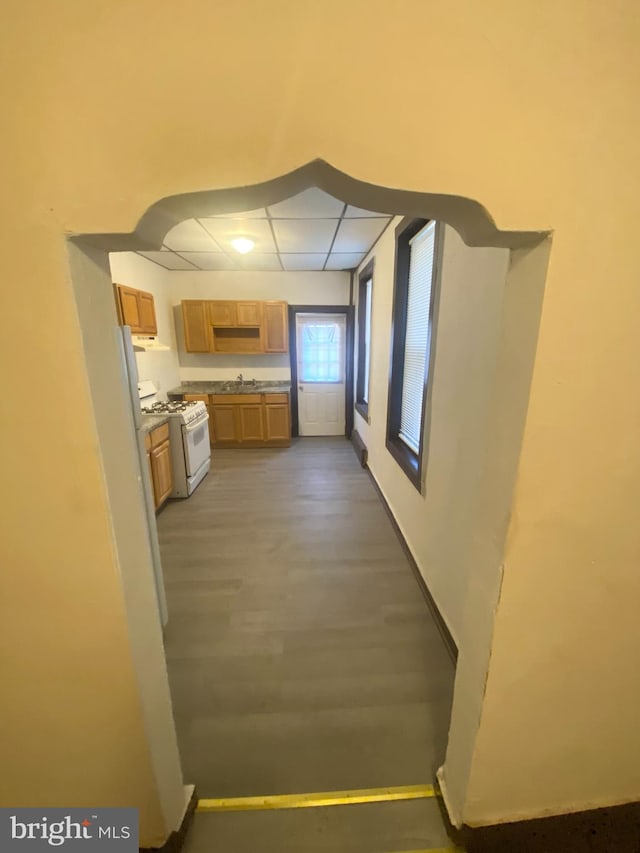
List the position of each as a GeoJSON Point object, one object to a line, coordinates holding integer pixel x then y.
{"type": "Point", "coordinates": [416, 347]}
{"type": "Point", "coordinates": [367, 339]}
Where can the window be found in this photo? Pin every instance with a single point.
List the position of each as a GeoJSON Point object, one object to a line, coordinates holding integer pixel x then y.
{"type": "Point", "coordinates": [411, 352]}
{"type": "Point", "coordinates": [365, 287]}
{"type": "Point", "coordinates": [321, 349]}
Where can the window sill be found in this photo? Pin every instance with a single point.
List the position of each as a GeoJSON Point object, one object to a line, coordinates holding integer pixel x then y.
{"type": "Point", "coordinates": [363, 410]}
{"type": "Point", "coordinates": [409, 461]}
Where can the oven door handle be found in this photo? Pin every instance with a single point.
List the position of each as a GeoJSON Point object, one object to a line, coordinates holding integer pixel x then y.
{"type": "Point", "coordinates": [198, 422]}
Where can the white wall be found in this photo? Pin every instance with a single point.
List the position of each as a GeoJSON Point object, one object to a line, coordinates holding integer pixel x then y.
{"type": "Point", "coordinates": [135, 271]}
{"type": "Point", "coordinates": [436, 523]}
{"type": "Point", "coordinates": [296, 288]}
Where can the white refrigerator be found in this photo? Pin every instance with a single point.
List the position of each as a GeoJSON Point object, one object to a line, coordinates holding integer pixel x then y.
{"type": "Point", "coordinates": [129, 362]}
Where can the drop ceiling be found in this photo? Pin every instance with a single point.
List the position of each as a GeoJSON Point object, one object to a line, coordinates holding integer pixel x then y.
{"type": "Point", "coordinates": [309, 231]}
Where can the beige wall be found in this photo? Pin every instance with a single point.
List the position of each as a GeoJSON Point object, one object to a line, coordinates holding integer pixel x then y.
{"type": "Point", "coordinates": [296, 288]}
{"type": "Point", "coordinates": [160, 367]}
{"type": "Point", "coordinates": [526, 107]}
{"type": "Point", "coordinates": [104, 356]}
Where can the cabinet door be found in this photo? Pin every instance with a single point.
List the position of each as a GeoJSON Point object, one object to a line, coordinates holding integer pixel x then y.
{"type": "Point", "coordinates": [129, 307]}
{"type": "Point", "coordinates": [161, 472]}
{"type": "Point", "coordinates": [153, 485]}
{"type": "Point", "coordinates": [205, 400]}
{"type": "Point", "coordinates": [248, 313]}
{"type": "Point", "coordinates": [197, 335]}
{"type": "Point", "coordinates": [147, 313]}
{"type": "Point", "coordinates": [275, 328]}
{"type": "Point", "coordinates": [222, 313]}
{"type": "Point", "coordinates": [224, 423]}
{"type": "Point", "coordinates": [277, 422]}
{"type": "Point", "coordinates": [251, 422]}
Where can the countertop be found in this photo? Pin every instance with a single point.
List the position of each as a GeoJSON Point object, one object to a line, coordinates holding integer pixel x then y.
{"type": "Point", "coordinates": [228, 387]}
{"type": "Point", "coordinates": [150, 422]}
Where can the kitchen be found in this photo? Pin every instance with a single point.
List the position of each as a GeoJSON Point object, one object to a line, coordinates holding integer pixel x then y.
{"type": "Point", "coordinates": [210, 325]}
{"type": "Point", "coordinates": [206, 338]}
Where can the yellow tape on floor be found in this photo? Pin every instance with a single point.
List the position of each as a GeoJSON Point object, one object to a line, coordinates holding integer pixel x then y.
{"type": "Point", "coordinates": [326, 798]}
{"type": "Point", "coordinates": [436, 850]}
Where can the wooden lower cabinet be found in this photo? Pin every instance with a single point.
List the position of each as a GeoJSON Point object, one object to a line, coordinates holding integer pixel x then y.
{"type": "Point", "coordinates": [159, 459]}
{"type": "Point", "coordinates": [250, 420]}
{"type": "Point", "coordinates": [276, 419]}
{"type": "Point", "coordinates": [162, 474]}
{"type": "Point", "coordinates": [224, 418]}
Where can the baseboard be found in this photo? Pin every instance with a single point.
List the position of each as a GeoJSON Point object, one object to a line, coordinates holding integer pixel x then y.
{"type": "Point", "coordinates": [175, 841]}
{"type": "Point", "coordinates": [449, 642]}
{"type": "Point", "coordinates": [360, 448]}
{"type": "Point", "coordinates": [607, 830]}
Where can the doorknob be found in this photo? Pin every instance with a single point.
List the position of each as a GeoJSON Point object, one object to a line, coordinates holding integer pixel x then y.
{"type": "Point", "coordinates": [300, 387]}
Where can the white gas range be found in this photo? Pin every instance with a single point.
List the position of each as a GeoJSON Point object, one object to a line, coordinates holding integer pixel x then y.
{"type": "Point", "coordinates": [188, 436]}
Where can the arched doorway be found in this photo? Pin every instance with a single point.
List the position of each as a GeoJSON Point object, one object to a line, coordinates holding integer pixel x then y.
{"type": "Point", "coordinates": [506, 390]}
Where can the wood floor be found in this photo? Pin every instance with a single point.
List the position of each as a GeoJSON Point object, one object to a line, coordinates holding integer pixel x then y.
{"type": "Point", "coordinates": [302, 656]}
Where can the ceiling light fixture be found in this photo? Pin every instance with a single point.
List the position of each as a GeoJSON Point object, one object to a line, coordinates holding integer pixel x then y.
{"type": "Point", "coordinates": [242, 244]}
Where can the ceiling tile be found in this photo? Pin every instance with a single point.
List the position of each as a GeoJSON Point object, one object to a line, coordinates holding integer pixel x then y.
{"type": "Point", "coordinates": [359, 212]}
{"type": "Point", "coordinates": [310, 204]}
{"type": "Point", "coordinates": [358, 235]}
{"type": "Point", "coordinates": [304, 235]}
{"type": "Point", "coordinates": [224, 230]}
{"type": "Point", "coordinates": [190, 236]}
{"type": "Point", "coordinates": [344, 260]}
{"type": "Point", "coordinates": [313, 261]}
{"type": "Point", "coordinates": [210, 260]}
{"type": "Point", "coordinates": [168, 260]}
{"type": "Point", "coordinates": [259, 213]}
{"type": "Point", "coordinates": [259, 261]}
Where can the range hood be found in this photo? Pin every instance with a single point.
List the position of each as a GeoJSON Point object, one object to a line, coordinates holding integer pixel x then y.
{"type": "Point", "coordinates": [145, 343]}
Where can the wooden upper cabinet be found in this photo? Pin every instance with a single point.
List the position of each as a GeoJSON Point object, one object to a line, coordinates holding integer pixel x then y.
{"type": "Point", "coordinates": [197, 335]}
{"type": "Point", "coordinates": [248, 313]}
{"type": "Point", "coordinates": [147, 313]}
{"type": "Point", "coordinates": [275, 328]}
{"type": "Point", "coordinates": [136, 309]}
{"type": "Point", "coordinates": [235, 327]}
{"type": "Point", "coordinates": [127, 299]}
{"type": "Point", "coordinates": [222, 313]}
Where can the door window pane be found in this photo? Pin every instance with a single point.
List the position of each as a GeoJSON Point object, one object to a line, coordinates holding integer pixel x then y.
{"type": "Point", "coordinates": [322, 345]}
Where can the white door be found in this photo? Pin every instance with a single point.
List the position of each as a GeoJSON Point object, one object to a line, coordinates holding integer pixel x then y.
{"type": "Point", "coordinates": [320, 342]}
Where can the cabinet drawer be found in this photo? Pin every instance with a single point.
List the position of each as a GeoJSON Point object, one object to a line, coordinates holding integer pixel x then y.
{"type": "Point", "coordinates": [159, 434]}
{"type": "Point", "coordinates": [234, 399]}
{"type": "Point", "coordinates": [276, 398]}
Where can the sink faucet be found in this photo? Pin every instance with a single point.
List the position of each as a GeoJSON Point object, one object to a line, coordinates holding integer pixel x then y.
{"type": "Point", "coordinates": [240, 379]}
